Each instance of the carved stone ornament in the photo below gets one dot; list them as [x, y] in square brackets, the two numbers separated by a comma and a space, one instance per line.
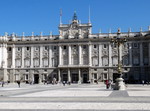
[27, 54]
[36, 54]
[136, 52]
[45, 54]
[95, 53]
[115, 53]
[84, 52]
[125, 52]
[18, 55]
[74, 51]
[104, 52]
[64, 52]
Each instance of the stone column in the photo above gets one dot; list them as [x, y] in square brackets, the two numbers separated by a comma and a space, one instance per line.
[4, 55]
[130, 54]
[141, 54]
[80, 54]
[50, 56]
[149, 53]
[90, 76]
[59, 76]
[60, 55]
[69, 54]
[32, 51]
[13, 56]
[100, 55]
[41, 55]
[40, 78]
[90, 54]
[110, 55]
[22, 59]
[80, 81]
[69, 77]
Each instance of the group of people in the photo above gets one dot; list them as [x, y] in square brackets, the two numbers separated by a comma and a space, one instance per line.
[147, 82]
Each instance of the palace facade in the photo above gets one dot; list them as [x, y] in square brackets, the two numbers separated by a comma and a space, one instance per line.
[76, 55]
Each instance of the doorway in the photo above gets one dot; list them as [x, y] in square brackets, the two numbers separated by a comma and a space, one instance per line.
[85, 78]
[115, 76]
[65, 77]
[75, 78]
[36, 78]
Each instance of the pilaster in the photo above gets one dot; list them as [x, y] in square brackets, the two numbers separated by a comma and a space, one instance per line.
[80, 80]
[100, 55]
[32, 51]
[50, 56]
[69, 54]
[141, 54]
[59, 76]
[41, 50]
[130, 54]
[69, 78]
[110, 55]
[22, 59]
[90, 55]
[13, 56]
[60, 55]
[80, 54]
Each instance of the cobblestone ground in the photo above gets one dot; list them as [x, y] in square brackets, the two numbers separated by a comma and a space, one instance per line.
[85, 97]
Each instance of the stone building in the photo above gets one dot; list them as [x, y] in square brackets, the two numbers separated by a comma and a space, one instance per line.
[76, 55]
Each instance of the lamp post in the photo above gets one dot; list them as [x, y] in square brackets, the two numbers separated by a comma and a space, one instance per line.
[118, 41]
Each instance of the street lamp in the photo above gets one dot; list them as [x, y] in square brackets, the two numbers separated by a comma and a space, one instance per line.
[118, 41]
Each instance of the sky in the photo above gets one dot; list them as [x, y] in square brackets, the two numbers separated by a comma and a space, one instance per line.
[44, 15]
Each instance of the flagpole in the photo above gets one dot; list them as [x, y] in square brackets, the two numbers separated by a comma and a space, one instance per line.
[60, 16]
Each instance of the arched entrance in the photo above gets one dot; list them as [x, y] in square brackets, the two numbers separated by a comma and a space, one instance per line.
[75, 78]
[36, 78]
[65, 77]
[85, 78]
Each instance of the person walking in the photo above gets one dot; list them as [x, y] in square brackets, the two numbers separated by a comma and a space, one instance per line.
[63, 83]
[18, 83]
[143, 82]
[2, 83]
[107, 84]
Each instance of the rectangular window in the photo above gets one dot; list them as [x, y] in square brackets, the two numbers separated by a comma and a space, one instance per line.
[65, 47]
[28, 48]
[95, 76]
[36, 48]
[36, 62]
[105, 61]
[26, 77]
[105, 76]
[18, 62]
[54, 47]
[16, 77]
[46, 47]
[135, 45]
[136, 61]
[19, 48]
[45, 62]
[84, 46]
[145, 45]
[94, 46]
[9, 49]
[27, 62]
[105, 46]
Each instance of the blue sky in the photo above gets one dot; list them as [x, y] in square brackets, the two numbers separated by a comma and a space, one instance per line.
[43, 15]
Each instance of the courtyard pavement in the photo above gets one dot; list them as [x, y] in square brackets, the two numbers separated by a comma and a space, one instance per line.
[81, 97]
